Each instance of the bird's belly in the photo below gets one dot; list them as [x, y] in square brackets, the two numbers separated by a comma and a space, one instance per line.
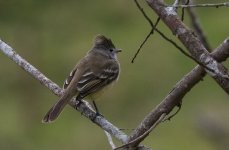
[95, 96]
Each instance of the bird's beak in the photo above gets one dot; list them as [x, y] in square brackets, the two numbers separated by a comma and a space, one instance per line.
[118, 50]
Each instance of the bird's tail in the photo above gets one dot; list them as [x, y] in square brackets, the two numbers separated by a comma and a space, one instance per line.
[55, 111]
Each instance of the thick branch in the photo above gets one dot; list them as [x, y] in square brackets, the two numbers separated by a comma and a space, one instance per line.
[178, 92]
[191, 42]
[83, 108]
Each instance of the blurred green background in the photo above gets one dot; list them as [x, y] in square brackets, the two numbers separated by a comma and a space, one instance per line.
[54, 35]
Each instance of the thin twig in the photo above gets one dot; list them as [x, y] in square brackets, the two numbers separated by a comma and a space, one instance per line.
[149, 34]
[226, 4]
[174, 114]
[144, 41]
[182, 11]
[158, 20]
[176, 2]
[140, 138]
[109, 138]
[144, 14]
[140, 47]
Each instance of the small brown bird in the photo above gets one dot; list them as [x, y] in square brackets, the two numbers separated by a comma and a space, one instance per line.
[98, 69]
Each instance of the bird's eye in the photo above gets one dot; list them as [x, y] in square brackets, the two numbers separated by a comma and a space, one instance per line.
[111, 50]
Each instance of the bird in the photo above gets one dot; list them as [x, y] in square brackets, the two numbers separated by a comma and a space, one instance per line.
[90, 77]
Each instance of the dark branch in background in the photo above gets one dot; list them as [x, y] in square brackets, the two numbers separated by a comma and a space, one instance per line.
[140, 47]
[153, 27]
[197, 27]
[174, 114]
[144, 41]
[217, 5]
[191, 42]
[158, 31]
[171, 41]
[176, 95]
[144, 14]
[182, 10]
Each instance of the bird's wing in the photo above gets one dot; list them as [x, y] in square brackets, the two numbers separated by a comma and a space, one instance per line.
[69, 78]
[92, 82]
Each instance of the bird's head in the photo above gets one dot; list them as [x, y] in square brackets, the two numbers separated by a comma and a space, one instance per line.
[105, 45]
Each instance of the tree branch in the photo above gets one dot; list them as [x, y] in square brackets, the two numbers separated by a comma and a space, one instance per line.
[176, 95]
[197, 27]
[109, 138]
[153, 27]
[135, 142]
[176, 2]
[191, 42]
[182, 11]
[217, 5]
[83, 108]
[166, 38]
